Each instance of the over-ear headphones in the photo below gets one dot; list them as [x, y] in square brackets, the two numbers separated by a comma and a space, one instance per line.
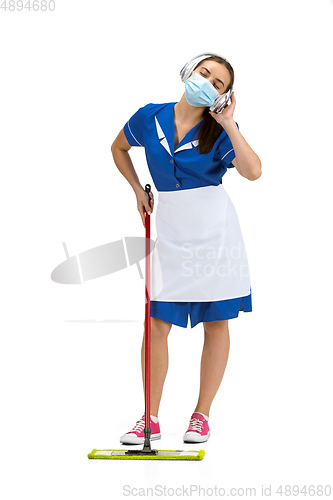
[221, 101]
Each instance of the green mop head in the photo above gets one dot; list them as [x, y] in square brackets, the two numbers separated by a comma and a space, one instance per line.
[154, 455]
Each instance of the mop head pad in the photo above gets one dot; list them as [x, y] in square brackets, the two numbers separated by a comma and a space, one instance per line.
[160, 455]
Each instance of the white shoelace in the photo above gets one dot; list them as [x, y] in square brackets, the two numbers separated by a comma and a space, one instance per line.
[139, 425]
[195, 425]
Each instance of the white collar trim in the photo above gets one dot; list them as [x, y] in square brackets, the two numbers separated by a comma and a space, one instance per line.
[164, 142]
[161, 136]
[188, 145]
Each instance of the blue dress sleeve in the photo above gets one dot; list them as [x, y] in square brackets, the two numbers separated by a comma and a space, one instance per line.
[135, 128]
[225, 150]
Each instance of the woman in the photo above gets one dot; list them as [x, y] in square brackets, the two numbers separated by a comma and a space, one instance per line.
[199, 264]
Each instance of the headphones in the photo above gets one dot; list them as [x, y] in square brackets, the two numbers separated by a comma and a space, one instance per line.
[221, 101]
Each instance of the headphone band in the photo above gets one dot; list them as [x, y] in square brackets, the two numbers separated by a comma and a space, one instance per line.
[190, 65]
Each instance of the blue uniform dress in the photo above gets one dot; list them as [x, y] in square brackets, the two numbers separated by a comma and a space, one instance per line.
[183, 168]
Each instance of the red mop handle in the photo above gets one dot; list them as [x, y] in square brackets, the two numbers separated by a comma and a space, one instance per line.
[147, 316]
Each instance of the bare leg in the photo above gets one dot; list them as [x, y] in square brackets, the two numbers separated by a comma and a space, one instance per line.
[213, 362]
[159, 361]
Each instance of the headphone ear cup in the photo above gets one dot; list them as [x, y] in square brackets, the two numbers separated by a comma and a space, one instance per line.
[183, 72]
[188, 68]
[186, 71]
[220, 102]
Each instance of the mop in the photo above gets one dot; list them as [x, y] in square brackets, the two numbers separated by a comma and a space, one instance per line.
[147, 453]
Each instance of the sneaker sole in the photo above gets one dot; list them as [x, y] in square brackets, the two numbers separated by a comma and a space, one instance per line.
[188, 438]
[134, 440]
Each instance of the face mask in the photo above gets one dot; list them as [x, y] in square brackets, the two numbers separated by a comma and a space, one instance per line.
[199, 91]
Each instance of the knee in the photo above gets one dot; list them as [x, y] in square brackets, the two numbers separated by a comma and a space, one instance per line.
[159, 327]
[216, 327]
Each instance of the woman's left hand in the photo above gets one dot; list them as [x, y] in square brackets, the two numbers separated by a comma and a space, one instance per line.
[227, 112]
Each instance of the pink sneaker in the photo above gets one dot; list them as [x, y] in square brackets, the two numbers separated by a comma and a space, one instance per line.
[136, 435]
[198, 430]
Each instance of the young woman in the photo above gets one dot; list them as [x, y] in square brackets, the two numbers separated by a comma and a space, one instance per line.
[199, 263]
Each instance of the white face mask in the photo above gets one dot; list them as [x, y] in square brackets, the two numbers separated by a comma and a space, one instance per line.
[199, 91]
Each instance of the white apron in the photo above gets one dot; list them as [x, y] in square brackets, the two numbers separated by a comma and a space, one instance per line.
[199, 253]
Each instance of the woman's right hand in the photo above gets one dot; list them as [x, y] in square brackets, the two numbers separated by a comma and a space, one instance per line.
[143, 203]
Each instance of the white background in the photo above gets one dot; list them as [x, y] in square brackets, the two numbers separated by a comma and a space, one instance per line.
[70, 354]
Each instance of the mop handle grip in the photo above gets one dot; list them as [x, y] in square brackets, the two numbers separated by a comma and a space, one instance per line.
[148, 189]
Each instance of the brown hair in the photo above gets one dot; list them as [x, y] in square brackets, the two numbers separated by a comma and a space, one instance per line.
[209, 129]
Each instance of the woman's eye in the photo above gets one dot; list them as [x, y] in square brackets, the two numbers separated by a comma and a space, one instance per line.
[203, 74]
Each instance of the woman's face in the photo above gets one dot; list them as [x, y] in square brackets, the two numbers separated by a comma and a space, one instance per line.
[216, 73]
